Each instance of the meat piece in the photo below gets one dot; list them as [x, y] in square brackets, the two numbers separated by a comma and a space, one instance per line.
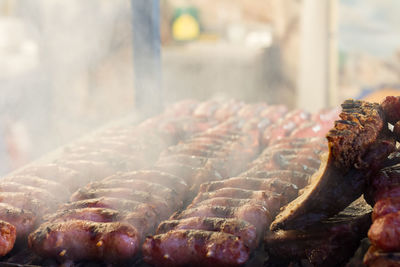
[385, 232]
[240, 228]
[75, 240]
[355, 153]
[192, 151]
[193, 176]
[281, 164]
[317, 143]
[391, 109]
[284, 128]
[159, 204]
[55, 188]
[375, 257]
[89, 170]
[117, 160]
[226, 202]
[23, 220]
[214, 164]
[165, 179]
[143, 220]
[7, 237]
[33, 192]
[206, 109]
[227, 110]
[383, 184]
[300, 179]
[288, 190]
[25, 201]
[327, 243]
[87, 214]
[255, 214]
[107, 202]
[288, 154]
[310, 129]
[385, 206]
[195, 248]
[270, 199]
[273, 112]
[167, 194]
[65, 176]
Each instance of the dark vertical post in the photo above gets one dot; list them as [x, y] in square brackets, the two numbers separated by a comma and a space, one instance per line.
[147, 56]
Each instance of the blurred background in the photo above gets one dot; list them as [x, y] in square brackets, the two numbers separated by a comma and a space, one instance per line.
[67, 67]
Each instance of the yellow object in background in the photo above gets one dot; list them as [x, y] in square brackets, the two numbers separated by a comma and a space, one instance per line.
[185, 26]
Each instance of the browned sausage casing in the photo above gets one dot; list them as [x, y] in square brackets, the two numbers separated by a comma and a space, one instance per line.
[8, 235]
[75, 239]
[195, 247]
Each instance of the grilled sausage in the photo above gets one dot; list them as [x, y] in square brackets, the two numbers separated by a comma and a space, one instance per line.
[165, 179]
[226, 202]
[271, 200]
[119, 204]
[7, 237]
[57, 189]
[75, 239]
[33, 192]
[385, 232]
[385, 206]
[195, 248]
[23, 220]
[240, 228]
[287, 189]
[300, 179]
[255, 214]
[157, 202]
[88, 214]
[25, 201]
[63, 175]
[169, 195]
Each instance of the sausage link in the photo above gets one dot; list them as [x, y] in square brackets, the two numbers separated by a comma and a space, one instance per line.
[111, 242]
[195, 248]
[240, 228]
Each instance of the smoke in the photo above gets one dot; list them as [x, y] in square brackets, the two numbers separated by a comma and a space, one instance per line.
[69, 68]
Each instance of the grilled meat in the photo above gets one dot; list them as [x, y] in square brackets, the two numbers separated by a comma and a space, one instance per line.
[196, 248]
[168, 180]
[254, 213]
[7, 237]
[63, 175]
[385, 206]
[25, 201]
[119, 204]
[355, 153]
[376, 257]
[299, 179]
[240, 228]
[272, 200]
[23, 220]
[327, 243]
[57, 189]
[161, 205]
[284, 127]
[155, 189]
[75, 239]
[88, 214]
[286, 189]
[34, 192]
[385, 231]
